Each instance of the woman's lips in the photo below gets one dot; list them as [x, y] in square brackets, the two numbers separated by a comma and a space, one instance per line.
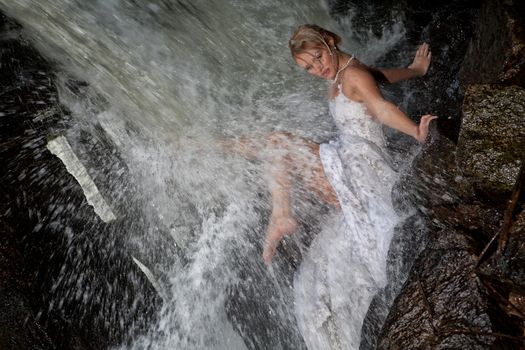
[326, 73]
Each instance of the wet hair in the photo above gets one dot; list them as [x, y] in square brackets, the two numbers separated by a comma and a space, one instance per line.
[311, 36]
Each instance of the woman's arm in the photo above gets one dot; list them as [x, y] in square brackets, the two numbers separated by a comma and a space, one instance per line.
[417, 68]
[359, 85]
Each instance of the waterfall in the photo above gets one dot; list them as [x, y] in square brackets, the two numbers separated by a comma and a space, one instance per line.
[166, 82]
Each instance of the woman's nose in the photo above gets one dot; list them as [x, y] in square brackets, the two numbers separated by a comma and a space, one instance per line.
[318, 65]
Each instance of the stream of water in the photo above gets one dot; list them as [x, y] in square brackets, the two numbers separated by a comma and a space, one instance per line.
[167, 82]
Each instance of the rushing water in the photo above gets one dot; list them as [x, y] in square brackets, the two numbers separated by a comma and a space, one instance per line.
[167, 82]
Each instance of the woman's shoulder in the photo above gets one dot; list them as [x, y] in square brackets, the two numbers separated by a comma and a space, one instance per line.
[355, 80]
[356, 73]
[350, 81]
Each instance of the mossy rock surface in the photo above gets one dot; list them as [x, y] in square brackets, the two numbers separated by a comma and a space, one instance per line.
[491, 145]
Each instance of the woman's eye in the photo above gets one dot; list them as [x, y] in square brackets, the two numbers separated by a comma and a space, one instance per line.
[318, 55]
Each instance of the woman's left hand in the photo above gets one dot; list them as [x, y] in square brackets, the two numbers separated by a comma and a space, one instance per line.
[422, 130]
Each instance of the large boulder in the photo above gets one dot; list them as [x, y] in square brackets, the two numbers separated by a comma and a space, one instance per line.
[496, 53]
[443, 304]
[491, 145]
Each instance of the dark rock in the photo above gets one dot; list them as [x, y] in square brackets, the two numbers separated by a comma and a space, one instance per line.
[443, 304]
[18, 328]
[492, 140]
[434, 180]
[503, 274]
[509, 267]
[408, 241]
[62, 270]
[447, 26]
[496, 53]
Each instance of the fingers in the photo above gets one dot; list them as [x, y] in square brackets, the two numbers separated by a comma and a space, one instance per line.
[421, 60]
[428, 118]
[423, 127]
[420, 49]
[423, 50]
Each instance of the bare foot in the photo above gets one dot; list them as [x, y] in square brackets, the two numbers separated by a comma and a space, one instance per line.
[278, 228]
[421, 60]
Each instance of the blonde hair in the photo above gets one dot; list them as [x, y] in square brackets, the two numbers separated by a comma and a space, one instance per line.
[311, 36]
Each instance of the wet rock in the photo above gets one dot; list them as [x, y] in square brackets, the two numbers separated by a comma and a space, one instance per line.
[442, 259]
[18, 328]
[408, 241]
[446, 301]
[434, 180]
[509, 267]
[492, 139]
[446, 25]
[496, 53]
[503, 275]
[65, 278]
[443, 304]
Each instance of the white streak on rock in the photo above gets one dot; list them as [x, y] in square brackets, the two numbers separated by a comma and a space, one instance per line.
[150, 277]
[61, 148]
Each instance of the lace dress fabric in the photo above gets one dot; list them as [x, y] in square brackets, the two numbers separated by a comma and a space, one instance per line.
[346, 263]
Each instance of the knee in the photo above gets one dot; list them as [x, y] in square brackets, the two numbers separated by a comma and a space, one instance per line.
[279, 137]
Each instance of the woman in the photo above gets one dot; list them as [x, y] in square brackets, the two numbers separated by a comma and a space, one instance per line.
[346, 263]
[358, 108]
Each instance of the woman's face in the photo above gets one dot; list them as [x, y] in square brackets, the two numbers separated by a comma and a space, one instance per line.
[317, 62]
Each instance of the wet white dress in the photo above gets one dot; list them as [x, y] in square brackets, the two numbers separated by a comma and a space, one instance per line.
[346, 263]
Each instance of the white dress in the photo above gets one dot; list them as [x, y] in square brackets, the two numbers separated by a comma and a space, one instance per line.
[346, 263]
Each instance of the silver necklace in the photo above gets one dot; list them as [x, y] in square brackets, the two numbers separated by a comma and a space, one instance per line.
[341, 69]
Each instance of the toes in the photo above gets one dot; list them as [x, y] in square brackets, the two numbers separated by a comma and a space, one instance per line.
[268, 254]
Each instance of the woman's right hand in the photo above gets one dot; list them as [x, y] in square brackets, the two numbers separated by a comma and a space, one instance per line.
[422, 130]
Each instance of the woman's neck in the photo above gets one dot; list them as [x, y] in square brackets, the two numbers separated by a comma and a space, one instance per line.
[342, 58]
[343, 61]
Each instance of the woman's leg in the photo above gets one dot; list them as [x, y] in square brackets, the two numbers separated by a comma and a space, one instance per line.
[287, 159]
[291, 159]
[282, 221]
